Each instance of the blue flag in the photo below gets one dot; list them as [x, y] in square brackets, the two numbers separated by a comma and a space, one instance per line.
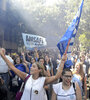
[70, 35]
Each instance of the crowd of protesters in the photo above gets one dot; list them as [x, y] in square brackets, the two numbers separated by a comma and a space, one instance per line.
[48, 80]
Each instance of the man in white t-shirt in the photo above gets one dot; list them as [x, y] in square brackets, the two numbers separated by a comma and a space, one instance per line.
[4, 68]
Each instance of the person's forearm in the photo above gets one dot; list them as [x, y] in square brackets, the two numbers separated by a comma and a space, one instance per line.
[59, 72]
[46, 73]
[52, 71]
[27, 69]
[24, 60]
[54, 96]
[85, 93]
[36, 54]
[85, 87]
[78, 92]
[60, 69]
[23, 57]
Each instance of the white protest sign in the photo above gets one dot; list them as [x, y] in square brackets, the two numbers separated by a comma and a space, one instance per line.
[31, 41]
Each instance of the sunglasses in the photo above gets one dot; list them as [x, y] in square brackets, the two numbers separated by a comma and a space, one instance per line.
[68, 76]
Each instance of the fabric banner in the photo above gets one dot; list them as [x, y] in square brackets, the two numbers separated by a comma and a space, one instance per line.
[31, 41]
[70, 36]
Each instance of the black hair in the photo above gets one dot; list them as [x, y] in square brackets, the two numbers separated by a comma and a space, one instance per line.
[16, 58]
[49, 62]
[66, 69]
[44, 61]
[41, 58]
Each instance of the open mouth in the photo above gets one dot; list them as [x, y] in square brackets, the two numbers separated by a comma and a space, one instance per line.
[67, 81]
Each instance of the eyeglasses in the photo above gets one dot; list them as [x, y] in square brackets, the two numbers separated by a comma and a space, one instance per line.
[68, 76]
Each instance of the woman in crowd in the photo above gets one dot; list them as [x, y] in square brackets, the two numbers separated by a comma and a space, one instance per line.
[80, 78]
[19, 64]
[15, 80]
[28, 63]
[49, 65]
[66, 90]
[34, 87]
[41, 60]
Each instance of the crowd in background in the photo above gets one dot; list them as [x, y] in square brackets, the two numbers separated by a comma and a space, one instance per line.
[50, 59]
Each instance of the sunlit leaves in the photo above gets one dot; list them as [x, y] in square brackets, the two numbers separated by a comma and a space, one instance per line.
[52, 19]
[84, 40]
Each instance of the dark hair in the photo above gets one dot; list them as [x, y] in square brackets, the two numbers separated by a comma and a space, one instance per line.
[49, 62]
[16, 58]
[41, 58]
[44, 65]
[66, 69]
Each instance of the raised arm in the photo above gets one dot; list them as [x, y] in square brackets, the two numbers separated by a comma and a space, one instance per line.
[59, 71]
[36, 53]
[24, 60]
[54, 96]
[85, 88]
[22, 75]
[78, 92]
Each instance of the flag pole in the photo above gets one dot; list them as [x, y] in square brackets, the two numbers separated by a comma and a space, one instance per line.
[67, 46]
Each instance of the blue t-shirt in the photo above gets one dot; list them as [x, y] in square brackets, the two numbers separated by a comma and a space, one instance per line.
[30, 67]
[21, 67]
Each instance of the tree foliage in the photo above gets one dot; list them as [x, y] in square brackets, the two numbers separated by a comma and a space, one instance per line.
[50, 21]
[84, 40]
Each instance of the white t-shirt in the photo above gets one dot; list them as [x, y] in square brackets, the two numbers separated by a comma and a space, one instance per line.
[34, 89]
[3, 65]
[64, 94]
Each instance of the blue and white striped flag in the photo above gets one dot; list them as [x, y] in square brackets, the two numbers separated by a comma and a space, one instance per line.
[70, 36]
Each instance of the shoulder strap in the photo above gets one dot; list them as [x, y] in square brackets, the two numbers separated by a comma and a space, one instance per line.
[74, 87]
[26, 78]
[23, 84]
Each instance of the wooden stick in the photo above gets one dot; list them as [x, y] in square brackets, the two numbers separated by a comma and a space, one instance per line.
[67, 46]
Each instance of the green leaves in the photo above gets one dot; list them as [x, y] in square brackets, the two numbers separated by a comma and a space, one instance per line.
[84, 40]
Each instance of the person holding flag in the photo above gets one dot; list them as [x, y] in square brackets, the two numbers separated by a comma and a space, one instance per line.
[63, 91]
[69, 36]
[66, 90]
[34, 87]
